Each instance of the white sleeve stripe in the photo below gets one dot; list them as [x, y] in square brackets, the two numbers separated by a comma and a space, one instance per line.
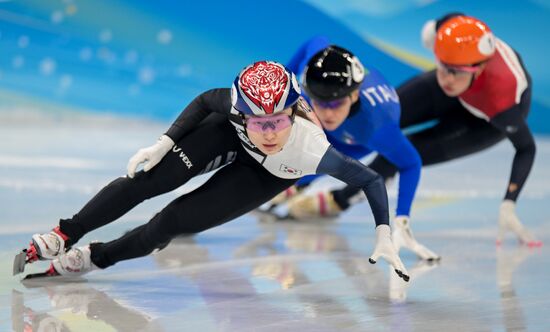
[513, 63]
[238, 126]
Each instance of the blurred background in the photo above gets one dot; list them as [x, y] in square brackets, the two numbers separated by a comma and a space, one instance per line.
[148, 59]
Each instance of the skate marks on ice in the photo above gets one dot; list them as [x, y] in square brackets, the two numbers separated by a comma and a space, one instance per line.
[75, 307]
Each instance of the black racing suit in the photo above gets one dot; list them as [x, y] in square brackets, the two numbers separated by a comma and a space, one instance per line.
[205, 140]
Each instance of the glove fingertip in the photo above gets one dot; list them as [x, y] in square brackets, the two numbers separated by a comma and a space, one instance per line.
[130, 171]
[402, 275]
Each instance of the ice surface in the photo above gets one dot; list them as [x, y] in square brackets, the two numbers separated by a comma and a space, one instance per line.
[253, 276]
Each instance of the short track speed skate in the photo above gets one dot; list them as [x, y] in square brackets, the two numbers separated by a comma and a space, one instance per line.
[42, 247]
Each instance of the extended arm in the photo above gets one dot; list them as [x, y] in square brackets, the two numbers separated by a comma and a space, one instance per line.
[216, 100]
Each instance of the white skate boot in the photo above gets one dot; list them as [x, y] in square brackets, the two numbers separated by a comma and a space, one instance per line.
[74, 263]
[46, 246]
[403, 237]
[42, 246]
[509, 221]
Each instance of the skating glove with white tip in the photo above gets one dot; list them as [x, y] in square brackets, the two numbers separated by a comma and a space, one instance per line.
[403, 237]
[509, 221]
[150, 155]
[384, 248]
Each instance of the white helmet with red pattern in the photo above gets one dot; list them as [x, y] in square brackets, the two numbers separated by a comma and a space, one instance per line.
[264, 87]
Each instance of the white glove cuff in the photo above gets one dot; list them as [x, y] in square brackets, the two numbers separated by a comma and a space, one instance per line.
[508, 205]
[383, 231]
[401, 221]
[165, 143]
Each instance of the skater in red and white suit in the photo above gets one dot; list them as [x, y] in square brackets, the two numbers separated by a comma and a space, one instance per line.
[479, 93]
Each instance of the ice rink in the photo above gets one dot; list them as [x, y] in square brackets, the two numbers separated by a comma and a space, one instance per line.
[251, 275]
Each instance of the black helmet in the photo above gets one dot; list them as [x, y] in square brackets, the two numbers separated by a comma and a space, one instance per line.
[332, 73]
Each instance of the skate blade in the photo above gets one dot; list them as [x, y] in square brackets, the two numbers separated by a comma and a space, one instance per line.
[39, 276]
[19, 262]
[43, 278]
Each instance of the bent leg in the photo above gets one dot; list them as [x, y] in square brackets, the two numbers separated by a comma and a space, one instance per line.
[233, 191]
[452, 138]
[205, 148]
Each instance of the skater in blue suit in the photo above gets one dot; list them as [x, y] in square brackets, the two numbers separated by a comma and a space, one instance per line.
[359, 111]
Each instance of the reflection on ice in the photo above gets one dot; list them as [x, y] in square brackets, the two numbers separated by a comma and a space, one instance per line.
[73, 307]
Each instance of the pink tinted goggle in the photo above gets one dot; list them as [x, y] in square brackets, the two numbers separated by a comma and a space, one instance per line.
[262, 124]
[452, 69]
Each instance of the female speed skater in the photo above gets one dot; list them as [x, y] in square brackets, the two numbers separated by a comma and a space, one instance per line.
[259, 129]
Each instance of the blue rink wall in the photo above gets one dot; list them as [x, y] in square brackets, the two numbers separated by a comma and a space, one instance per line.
[150, 58]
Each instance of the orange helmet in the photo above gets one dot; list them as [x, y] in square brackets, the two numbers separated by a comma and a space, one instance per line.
[464, 41]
